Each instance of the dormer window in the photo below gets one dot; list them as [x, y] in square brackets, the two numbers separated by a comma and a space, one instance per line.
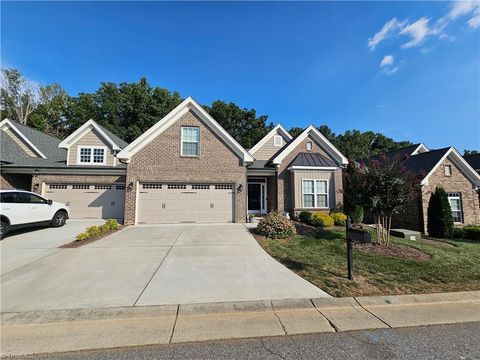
[277, 140]
[309, 146]
[190, 145]
[92, 155]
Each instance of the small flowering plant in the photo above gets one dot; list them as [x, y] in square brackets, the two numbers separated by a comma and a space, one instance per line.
[276, 226]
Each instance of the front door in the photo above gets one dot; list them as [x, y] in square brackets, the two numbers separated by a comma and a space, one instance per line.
[256, 198]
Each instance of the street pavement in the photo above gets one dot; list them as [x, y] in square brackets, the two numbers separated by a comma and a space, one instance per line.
[455, 341]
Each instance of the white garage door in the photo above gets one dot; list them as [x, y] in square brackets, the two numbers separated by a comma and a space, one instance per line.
[175, 203]
[98, 201]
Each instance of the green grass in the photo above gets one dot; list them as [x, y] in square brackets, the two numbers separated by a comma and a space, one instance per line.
[321, 259]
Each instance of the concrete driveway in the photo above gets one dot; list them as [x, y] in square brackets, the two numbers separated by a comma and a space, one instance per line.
[154, 265]
[22, 247]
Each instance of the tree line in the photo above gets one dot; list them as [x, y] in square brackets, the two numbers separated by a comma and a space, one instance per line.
[129, 108]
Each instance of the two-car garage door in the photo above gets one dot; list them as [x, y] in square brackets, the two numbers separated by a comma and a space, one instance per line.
[102, 201]
[177, 202]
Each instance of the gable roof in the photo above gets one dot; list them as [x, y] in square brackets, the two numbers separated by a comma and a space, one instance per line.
[15, 128]
[189, 104]
[316, 135]
[115, 142]
[425, 163]
[306, 159]
[473, 160]
[277, 129]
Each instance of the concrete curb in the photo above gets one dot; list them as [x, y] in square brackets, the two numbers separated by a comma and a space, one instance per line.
[70, 330]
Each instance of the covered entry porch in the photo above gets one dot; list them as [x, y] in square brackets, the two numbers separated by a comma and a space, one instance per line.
[261, 194]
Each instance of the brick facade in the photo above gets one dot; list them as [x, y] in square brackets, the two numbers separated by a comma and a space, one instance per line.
[455, 183]
[284, 179]
[43, 179]
[160, 160]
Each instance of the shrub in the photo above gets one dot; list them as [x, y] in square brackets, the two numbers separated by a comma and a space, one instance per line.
[339, 219]
[275, 226]
[471, 232]
[458, 233]
[440, 220]
[321, 219]
[93, 231]
[111, 224]
[357, 214]
[82, 236]
[305, 216]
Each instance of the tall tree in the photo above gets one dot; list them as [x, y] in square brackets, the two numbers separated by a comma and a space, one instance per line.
[469, 152]
[50, 114]
[17, 96]
[295, 131]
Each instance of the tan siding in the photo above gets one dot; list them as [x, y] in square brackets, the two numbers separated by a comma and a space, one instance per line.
[284, 187]
[20, 142]
[92, 138]
[268, 149]
[298, 176]
[160, 161]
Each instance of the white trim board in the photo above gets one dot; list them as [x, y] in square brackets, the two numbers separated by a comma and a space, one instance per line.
[189, 104]
[7, 124]
[316, 135]
[420, 149]
[277, 129]
[82, 131]
[92, 148]
[461, 163]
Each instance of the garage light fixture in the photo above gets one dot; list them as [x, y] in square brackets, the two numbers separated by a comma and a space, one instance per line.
[239, 188]
[130, 186]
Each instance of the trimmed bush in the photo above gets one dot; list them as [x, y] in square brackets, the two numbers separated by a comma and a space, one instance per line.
[471, 232]
[305, 216]
[276, 226]
[440, 220]
[357, 214]
[339, 219]
[95, 230]
[321, 219]
[458, 233]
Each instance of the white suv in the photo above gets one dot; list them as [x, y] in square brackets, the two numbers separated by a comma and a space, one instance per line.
[19, 209]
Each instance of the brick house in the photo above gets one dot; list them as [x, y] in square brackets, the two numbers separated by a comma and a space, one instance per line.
[444, 168]
[185, 168]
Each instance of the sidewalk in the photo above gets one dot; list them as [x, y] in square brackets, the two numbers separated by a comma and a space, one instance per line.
[70, 330]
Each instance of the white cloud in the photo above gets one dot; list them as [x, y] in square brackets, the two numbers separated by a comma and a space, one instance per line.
[417, 31]
[461, 8]
[387, 60]
[388, 28]
[390, 70]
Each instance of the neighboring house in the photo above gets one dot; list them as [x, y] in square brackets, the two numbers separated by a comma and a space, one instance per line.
[445, 168]
[185, 168]
[81, 171]
[474, 161]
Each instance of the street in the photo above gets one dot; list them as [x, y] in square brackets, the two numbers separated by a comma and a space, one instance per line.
[456, 341]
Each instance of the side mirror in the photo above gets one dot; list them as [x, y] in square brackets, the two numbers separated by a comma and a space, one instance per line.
[49, 202]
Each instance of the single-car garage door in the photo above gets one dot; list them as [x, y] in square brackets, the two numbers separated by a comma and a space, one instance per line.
[102, 201]
[175, 203]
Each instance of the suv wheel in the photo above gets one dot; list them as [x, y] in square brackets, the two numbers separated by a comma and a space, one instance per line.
[59, 219]
[4, 227]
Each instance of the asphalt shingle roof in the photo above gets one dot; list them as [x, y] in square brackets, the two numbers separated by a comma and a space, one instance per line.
[312, 159]
[120, 142]
[474, 161]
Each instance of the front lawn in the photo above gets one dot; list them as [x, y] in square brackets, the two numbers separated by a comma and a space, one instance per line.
[320, 257]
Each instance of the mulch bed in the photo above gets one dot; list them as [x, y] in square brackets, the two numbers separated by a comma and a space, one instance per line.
[75, 243]
[304, 229]
[393, 250]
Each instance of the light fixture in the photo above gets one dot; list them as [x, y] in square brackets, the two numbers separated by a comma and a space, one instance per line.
[130, 186]
[239, 188]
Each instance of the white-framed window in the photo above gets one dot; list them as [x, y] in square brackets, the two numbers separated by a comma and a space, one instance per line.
[314, 194]
[448, 170]
[455, 200]
[190, 145]
[92, 155]
[309, 146]
[277, 140]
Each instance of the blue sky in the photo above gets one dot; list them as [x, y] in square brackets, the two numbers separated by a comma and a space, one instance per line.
[410, 70]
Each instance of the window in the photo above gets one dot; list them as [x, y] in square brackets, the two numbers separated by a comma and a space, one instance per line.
[32, 199]
[277, 140]
[176, 186]
[57, 186]
[455, 200]
[10, 197]
[103, 187]
[448, 170]
[315, 193]
[200, 187]
[92, 155]
[309, 146]
[80, 187]
[190, 141]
